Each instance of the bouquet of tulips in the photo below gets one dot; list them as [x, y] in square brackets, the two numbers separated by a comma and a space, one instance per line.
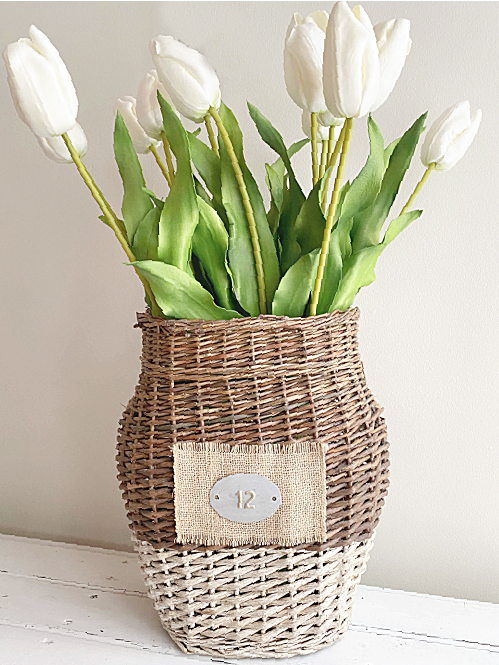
[210, 250]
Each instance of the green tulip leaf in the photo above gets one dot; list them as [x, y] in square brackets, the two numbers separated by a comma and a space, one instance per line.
[201, 191]
[294, 289]
[399, 224]
[119, 222]
[136, 203]
[279, 185]
[297, 146]
[354, 198]
[278, 165]
[358, 268]
[157, 202]
[358, 271]
[241, 257]
[276, 186]
[368, 224]
[311, 222]
[294, 198]
[207, 164]
[290, 247]
[210, 244]
[339, 250]
[145, 241]
[199, 274]
[389, 151]
[270, 135]
[180, 214]
[365, 187]
[179, 295]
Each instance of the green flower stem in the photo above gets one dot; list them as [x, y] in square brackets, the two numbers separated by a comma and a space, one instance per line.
[247, 207]
[332, 161]
[331, 143]
[315, 166]
[161, 165]
[418, 188]
[211, 135]
[330, 217]
[324, 152]
[168, 155]
[110, 216]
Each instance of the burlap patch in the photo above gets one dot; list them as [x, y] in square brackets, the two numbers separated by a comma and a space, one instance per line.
[297, 469]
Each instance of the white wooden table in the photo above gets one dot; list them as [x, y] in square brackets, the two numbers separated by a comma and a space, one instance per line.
[69, 605]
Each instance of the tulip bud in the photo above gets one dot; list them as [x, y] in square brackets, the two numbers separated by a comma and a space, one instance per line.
[351, 62]
[394, 45]
[322, 130]
[450, 136]
[141, 141]
[56, 148]
[303, 53]
[148, 109]
[40, 85]
[187, 76]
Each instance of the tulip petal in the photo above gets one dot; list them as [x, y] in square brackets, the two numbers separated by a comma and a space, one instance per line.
[295, 20]
[187, 76]
[346, 41]
[43, 45]
[35, 88]
[294, 80]
[370, 64]
[460, 144]
[393, 44]
[147, 106]
[141, 141]
[327, 119]
[320, 18]
[304, 84]
[443, 131]
[185, 91]
[306, 122]
[56, 149]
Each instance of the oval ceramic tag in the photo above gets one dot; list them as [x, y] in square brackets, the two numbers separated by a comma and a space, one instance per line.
[245, 497]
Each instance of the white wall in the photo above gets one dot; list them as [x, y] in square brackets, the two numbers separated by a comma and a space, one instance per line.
[69, 353]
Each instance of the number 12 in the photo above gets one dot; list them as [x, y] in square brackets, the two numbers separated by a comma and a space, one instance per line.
[248, 502]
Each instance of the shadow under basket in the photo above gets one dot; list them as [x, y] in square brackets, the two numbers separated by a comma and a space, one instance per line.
[253, 382]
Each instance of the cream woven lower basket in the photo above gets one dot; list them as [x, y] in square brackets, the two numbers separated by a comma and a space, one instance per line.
[251, 383]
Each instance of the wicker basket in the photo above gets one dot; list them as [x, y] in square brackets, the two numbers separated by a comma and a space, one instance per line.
[254, 381]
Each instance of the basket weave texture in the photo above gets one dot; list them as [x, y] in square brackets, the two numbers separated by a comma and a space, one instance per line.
[254, 381]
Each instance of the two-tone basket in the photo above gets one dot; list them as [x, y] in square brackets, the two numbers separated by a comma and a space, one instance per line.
[272, 399]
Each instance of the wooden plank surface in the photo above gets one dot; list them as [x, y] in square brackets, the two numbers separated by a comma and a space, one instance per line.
[62, 604]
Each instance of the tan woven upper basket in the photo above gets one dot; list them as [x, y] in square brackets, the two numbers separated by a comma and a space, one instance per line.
[254, 381]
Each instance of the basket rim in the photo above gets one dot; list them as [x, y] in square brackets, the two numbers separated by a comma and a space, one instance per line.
[267, 320]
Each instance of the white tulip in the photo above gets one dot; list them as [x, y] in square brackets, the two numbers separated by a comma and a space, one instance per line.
[55, 147]
[394, 45]
[40, 85]
[320, 18]
[141, 141]
[303, 53]
[187, 76]
[148, 108]
[351, 62]
[327, 119]
[322, 130]
[450, 136]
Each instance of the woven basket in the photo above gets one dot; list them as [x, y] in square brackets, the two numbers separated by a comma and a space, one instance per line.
[254, 381]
